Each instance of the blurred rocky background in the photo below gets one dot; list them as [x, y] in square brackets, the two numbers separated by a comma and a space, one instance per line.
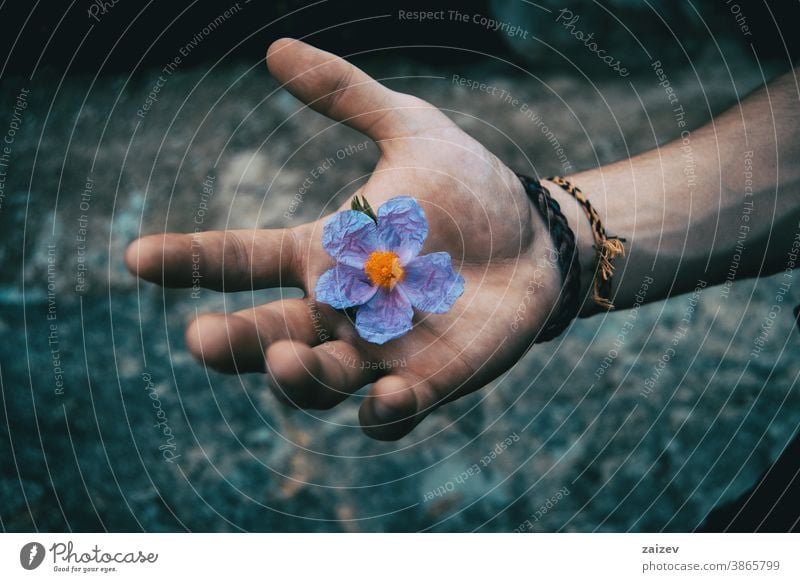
[128, 119]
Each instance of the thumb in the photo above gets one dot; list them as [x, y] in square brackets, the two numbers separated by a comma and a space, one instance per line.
[345, 93]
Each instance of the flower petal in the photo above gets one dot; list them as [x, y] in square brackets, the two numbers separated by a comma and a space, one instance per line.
[349, 237]
[343, 287]
[402, 227]
[431, 284]
[387, 316]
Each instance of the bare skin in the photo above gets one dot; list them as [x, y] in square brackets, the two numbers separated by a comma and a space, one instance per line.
[746, 188]
[478, 212]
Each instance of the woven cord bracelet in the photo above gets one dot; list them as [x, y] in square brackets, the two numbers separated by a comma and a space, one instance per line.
[568, 263]
[606, 248]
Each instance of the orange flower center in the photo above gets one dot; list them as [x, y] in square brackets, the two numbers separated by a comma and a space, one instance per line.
[383, 269]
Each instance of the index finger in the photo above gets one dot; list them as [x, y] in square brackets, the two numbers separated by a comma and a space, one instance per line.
[223, 260]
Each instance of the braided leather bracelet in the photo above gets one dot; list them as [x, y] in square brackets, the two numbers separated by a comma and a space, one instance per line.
[568, 263]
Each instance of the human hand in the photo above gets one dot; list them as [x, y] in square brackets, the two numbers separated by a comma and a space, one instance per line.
[477, 211]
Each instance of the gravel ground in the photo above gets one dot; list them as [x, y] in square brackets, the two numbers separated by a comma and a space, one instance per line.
[553, 441]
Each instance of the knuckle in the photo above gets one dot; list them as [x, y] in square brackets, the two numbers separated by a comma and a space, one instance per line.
[342, 87]
[235, 270]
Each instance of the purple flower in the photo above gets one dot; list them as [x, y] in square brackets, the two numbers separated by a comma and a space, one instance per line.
[378, 269]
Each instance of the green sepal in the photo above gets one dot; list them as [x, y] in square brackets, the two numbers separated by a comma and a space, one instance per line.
[363, 206]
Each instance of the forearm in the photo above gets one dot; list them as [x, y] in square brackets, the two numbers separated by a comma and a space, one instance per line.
[718, 204]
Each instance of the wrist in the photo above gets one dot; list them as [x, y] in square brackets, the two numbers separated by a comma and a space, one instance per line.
[584, 242]
[554, 252]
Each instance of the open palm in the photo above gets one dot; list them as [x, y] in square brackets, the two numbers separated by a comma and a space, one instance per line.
[477, 211]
